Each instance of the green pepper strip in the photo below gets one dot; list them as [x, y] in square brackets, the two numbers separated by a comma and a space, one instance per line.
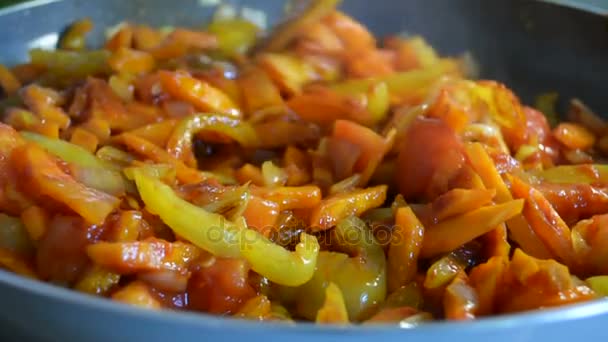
[221, 237]
[72, 63]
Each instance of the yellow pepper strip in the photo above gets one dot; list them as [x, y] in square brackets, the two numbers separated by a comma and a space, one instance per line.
[338, 207]
[442, 272]
[217, 235]
[599, 285]
[74, 37]
[405, 245]
[289, 72]
[278, 264]
[201, 95]
[520, 229]
[448, 235]
[129, 61]
[234, 36]
[157, 133]
[333, 310]
[405, 83]
[209, 231]
[8, 82]
[283, 34]
[98, 281]
[137, 294]
[362, 277]
[257, 308]
[574, 174]
[377, 97]
[179, 144]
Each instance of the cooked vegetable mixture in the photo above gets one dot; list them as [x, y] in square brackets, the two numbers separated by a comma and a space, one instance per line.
[313, 173]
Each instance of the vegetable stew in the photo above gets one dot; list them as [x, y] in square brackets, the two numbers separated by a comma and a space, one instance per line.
[312, 173]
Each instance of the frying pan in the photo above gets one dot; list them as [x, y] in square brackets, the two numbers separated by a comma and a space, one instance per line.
[533, 46]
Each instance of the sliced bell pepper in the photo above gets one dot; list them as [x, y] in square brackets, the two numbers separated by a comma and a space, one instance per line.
[179, 144]
[8, 82]
[125, 60]
[234, 36]
[79, 64]
[361, 278]
[74, 36]
[333, 310]
[43, 177]
[215, 234]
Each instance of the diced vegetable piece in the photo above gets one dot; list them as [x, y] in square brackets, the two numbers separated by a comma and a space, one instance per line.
[599, 285]
[574, 136]
[460, 300]
[98, 281]
[333, 310]
[125, 60]
[257, 308]
[148, 255]
[137, 294]
[13, 236]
